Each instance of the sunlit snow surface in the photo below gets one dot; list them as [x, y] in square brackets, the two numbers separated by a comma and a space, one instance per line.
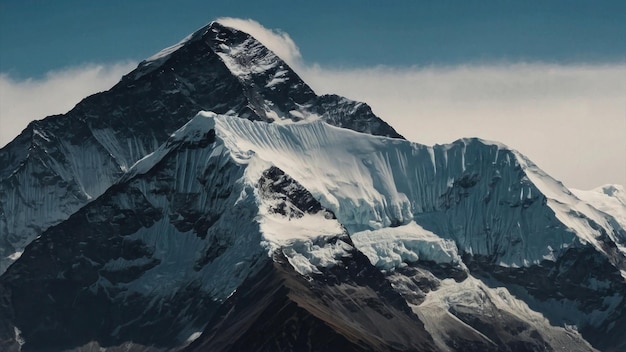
[488, 199]
[400, 202]
[245, 216]
[472, 295]
[388, 248]
[610, 199]
[297, 238]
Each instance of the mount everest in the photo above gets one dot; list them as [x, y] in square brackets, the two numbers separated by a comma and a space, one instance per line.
[212, 201]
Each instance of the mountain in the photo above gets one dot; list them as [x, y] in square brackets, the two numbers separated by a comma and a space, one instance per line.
[279, 220]
[610, 199]
[59, 164]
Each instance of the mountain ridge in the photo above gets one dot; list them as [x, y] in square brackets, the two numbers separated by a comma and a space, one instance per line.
[160, 240]
[74, 157]
[233, 142]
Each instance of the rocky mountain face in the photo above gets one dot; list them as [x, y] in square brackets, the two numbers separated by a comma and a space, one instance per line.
[59, 164]
[286, 221]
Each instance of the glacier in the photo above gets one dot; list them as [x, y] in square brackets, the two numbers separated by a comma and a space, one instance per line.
[355, 176]
[373, 182]
[610, 199]
[59, 164]
[137, 222]
[290, 230]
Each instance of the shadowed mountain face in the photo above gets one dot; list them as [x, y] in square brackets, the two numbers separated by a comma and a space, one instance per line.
[352, 308]
[140, 264]
[62, 162]
[286, 221]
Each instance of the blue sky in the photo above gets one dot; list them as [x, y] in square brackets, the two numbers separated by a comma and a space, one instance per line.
[38, 36]
[545, 77]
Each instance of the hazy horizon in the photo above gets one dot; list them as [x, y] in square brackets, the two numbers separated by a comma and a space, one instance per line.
[560, 100]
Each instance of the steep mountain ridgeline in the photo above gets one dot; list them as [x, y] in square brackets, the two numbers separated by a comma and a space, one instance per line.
[59, 164]
[513, 225]
[125, 231]
[179, 241]
[474, 192]
[152, 260]
[137, 264]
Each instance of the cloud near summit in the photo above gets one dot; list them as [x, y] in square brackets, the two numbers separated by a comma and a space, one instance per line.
[276, 40]
[568, 118]
[25, 100]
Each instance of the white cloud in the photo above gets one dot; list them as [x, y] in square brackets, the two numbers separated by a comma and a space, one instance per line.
[274, 39]
[22, 101]
[569, 119]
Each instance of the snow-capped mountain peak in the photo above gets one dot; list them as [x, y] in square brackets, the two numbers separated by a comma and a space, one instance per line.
[59, 164]
[276, 219]
[392, 183]
[610, 199]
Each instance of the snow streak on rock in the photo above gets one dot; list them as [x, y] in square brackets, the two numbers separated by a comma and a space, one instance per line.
[59, 164]
[126, 230]
[483, 196]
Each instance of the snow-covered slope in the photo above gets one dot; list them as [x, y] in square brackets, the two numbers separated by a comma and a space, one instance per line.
[132, 225]
[372, 183]
[407, 203]
[610, 199]
[487, 198]
[200, 218]
[57, 165]
[156, 239]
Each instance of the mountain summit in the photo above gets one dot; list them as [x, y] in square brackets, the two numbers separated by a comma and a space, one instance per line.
[212, 201]
[57, 165]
